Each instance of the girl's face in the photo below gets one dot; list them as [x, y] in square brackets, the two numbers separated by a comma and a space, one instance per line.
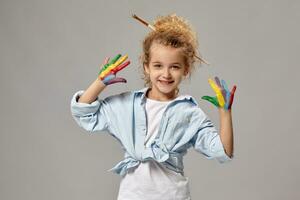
[166, 69]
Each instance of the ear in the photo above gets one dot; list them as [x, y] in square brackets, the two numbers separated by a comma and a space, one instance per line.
[146, 68]
[186, 71]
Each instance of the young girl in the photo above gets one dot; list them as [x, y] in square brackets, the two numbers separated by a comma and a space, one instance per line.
[156, 125]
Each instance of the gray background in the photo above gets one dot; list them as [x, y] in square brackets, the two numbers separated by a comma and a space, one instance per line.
[51, 49]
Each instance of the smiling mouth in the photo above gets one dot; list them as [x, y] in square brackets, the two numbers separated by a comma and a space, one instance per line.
[166, 82]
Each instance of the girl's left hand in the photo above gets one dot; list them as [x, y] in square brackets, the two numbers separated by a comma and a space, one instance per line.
[224, 98]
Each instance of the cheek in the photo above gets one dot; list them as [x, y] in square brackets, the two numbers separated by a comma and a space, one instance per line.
[179, 75]
[154, 72]
[153, 75]
[179, 78]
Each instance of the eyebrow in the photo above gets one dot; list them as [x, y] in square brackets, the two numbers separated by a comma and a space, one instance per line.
[171, 63]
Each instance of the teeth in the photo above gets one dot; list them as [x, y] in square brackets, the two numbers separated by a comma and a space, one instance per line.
[166, 82]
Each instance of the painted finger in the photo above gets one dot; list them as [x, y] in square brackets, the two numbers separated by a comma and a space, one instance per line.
[111, 62]
[117, 80]
[225, 85]
[213, 85]
[121, 60]
[218, 92]
[218, 82]
[227, 93]
[212, 100]
[120, 67]
[104, 65]
[106, 79]
[221, 87]
[227, 100]
[114, 60]
[111, 67]
[231, 96]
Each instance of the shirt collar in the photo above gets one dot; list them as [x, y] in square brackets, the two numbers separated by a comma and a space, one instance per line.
[182, 97]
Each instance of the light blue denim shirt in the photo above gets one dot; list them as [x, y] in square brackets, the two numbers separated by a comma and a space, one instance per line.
[123, 116]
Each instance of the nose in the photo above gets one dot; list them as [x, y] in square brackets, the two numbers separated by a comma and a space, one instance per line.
[166, 73]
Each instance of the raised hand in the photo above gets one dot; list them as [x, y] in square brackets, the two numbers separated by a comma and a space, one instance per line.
[108, 72]
[224, 98]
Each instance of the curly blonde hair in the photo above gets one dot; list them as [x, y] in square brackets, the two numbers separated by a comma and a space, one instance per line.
[174, 31]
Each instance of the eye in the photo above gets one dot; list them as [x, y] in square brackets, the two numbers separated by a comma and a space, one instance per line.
[157, 65]
[176, 67]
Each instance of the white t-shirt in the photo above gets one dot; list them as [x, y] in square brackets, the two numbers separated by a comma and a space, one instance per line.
[151, 180]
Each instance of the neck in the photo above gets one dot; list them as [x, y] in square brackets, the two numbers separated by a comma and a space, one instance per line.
[166, 97]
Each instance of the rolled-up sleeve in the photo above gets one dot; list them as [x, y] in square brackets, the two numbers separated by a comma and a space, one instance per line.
[207, 141]
[92, 117]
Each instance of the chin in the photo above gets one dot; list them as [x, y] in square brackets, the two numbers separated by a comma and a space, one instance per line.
[167, 90]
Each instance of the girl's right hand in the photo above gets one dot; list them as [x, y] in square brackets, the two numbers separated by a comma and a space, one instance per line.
[109, 70]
